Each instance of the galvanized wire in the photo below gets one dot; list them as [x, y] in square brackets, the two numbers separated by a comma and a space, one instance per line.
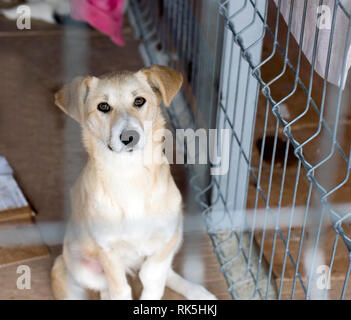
[189, 34]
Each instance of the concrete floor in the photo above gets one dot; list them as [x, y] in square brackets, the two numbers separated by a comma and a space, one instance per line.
[44, 146]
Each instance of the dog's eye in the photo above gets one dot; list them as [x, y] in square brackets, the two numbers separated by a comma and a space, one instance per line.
[139, 102]
[104, 107]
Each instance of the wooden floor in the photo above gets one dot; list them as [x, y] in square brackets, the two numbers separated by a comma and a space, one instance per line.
[199, 260]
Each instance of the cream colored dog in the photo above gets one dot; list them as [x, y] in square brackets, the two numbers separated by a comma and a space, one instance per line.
[126, 214]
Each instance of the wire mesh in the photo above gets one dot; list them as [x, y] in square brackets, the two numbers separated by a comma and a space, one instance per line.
[279, 218]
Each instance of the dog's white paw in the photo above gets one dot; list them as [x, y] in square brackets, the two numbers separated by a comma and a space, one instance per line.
[150, 297]
[105, 295]
[125, 295]
[200, 293]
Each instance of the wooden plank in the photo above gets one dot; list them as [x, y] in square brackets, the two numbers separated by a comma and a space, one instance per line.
[28, 245]
[15, 213]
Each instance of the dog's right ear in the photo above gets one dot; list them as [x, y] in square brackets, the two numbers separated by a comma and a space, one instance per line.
[73, 96]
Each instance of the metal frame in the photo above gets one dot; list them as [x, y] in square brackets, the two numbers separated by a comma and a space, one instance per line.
[227, 37]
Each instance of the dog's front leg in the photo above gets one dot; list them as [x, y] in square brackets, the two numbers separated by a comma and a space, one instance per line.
[155, 269]
[118, 286]
[153, 275]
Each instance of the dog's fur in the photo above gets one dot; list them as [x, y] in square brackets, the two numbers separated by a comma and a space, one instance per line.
[126, 215]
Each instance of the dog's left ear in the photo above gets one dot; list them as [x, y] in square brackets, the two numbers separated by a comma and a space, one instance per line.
[165, 80]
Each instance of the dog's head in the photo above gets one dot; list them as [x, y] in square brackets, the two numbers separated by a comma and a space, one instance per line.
[115, 108]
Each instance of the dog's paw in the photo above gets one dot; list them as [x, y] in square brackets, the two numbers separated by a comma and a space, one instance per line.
[105, 295]
[151, 295]
[200, 293]
[125, 295]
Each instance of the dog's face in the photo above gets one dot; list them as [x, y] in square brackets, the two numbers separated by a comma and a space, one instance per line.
[117, 108]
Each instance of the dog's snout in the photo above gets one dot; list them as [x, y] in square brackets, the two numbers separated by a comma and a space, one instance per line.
[127, 135]
[130, 138]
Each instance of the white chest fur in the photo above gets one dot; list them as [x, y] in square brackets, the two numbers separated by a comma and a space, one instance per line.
[121, 215]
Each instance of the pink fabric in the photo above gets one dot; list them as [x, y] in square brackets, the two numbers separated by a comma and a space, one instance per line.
[104, 15]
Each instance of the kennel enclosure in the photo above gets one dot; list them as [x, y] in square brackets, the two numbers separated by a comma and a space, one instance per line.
[267, 72]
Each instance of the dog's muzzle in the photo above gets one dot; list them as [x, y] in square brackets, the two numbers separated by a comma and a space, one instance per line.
[130, 138]
[127, 135]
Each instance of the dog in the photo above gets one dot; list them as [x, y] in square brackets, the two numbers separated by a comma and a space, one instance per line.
[126, 213]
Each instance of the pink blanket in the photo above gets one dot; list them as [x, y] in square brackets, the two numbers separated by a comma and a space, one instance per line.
[104, 15]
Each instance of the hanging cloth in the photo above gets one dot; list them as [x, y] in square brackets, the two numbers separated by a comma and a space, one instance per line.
[104, 15]
[321, 17]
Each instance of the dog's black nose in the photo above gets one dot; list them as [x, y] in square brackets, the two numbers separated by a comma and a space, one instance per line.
[129, 137]
[125, 140]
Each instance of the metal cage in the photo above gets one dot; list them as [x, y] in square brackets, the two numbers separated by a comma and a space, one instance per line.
[278, 218]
